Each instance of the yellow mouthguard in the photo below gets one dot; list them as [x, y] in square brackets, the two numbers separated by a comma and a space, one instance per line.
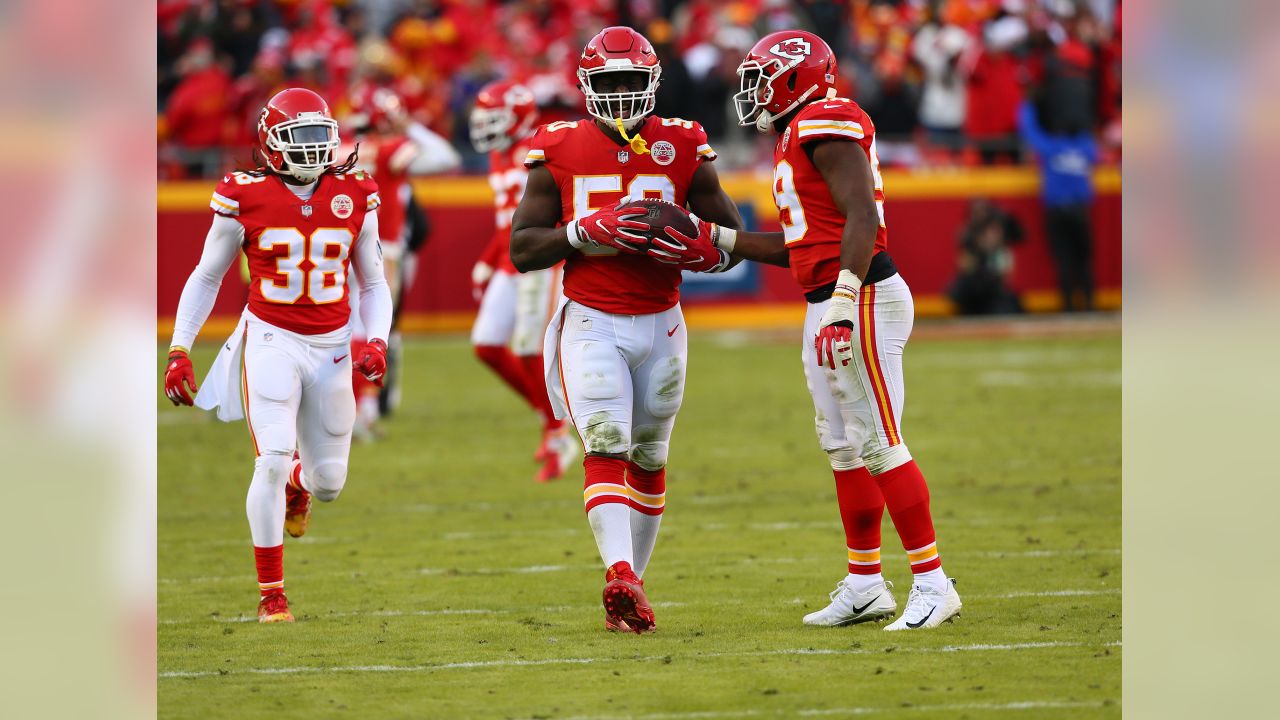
[638, 144]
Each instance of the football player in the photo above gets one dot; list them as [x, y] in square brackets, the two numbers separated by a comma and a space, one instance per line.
[515, 307]
[303, 222]
[395, 149]
[615, 349]
[830, 200]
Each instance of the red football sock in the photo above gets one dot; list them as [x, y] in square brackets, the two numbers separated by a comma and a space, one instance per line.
[605, 481]
[503, 362]
[270, 561]
[536, 381]
[907, 496]
[652, 486]
[861, 510]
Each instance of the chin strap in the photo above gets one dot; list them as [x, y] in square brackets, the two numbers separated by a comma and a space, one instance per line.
[638, 144]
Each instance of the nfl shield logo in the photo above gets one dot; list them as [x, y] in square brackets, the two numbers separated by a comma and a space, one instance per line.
[623, 156]
[306, 211]
[267, 336]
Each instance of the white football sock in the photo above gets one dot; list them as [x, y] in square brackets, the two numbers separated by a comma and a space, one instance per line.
[264, 503]
[644, 535]
[934, 580]
[611, 524]
[863, 583]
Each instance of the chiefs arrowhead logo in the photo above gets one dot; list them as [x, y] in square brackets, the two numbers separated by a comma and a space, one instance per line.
[794, 49]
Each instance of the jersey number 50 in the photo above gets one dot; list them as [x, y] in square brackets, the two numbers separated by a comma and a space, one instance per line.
[658, 187]
[326, 248]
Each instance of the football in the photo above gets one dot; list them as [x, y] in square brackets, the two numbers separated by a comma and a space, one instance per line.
[660, 214]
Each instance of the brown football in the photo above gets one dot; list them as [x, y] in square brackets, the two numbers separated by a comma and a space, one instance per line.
[660, 214]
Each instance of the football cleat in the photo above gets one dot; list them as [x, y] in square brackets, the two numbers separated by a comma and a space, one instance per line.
[274, 608]
[928, 608]
[562, 451]
[849, 607]
[625, 604]
[615, 624]
[297, 502]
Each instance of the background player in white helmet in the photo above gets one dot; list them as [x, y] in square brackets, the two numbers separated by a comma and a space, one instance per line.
[304, 224]
[515, 307]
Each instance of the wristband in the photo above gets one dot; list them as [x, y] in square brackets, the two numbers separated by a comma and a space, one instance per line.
[575, 237]
[847, 285]
[724, 238]
[178, 349]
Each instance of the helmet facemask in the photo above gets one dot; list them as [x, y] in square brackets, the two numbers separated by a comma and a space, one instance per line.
[630, 107]
[491, 128]
[756, 79]
[306, 144]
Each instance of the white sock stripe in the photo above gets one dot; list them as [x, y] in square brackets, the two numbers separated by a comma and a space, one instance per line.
[932, 545]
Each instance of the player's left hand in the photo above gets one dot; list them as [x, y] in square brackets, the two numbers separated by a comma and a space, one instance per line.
[372, 362]
[180, 378]
[698, 254]
[834, 342]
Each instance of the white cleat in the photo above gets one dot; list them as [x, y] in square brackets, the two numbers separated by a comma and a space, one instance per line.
[848, 607]
[928, 608]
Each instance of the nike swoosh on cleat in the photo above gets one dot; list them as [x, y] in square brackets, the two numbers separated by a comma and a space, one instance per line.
[673, 330]
[858, 610]
[923, 619]
[338, 359]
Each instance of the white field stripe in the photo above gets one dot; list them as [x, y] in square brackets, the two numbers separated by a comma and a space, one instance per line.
[538, 569]
[588, 608]
[847, 711]
[615, 660]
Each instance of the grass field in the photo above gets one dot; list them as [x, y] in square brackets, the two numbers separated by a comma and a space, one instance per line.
[445, 584]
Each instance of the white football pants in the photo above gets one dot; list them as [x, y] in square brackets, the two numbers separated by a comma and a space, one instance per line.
[859, 406]
[515, 310]
[623, 380]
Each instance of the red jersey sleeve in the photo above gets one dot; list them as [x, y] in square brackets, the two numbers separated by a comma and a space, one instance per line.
[226, 197]
[368, 188]
[705, 152]
[544, 141]
[834, 119]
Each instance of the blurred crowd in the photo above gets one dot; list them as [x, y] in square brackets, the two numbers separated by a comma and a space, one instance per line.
[943, 79]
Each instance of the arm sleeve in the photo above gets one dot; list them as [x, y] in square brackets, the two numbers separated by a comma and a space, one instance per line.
[375, 294]
[435, 154]
[221, 247]
[1030, 127]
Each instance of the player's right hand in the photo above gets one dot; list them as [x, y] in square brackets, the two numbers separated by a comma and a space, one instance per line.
[481, 274]
[373, 361]
[178, 377]
[616, 227]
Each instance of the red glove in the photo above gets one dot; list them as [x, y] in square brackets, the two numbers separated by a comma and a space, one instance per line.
[697, 254]
[178, 376]
[373, 361]
[612, 227]
[835, 334]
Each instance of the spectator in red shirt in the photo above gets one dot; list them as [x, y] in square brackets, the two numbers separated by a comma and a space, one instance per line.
[197, 111]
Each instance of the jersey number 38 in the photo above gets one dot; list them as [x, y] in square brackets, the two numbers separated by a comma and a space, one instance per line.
[325, 251]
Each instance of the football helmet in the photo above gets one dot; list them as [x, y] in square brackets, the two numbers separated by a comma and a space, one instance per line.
[618, 50]
[504, 112]
[297, 135]
[780, 72]
[373, 108]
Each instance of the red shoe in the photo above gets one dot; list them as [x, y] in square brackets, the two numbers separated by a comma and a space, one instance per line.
[562, 451]
[544, 448]
[274, 608]
[297, 502]
[613, 625]
[625, 603]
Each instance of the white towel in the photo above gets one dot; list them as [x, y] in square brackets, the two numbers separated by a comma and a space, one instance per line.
[221, 387]
[551, 361]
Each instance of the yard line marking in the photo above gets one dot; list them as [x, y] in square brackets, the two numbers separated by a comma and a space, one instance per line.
[537, 569]
[860, 710]
[648, 658]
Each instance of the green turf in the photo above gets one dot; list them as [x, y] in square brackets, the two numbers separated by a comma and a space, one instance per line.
[444, 583]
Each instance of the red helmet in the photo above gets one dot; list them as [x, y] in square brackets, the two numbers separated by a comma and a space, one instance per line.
[618, 50]
[372, 107]
[782, 71]
[504, 112]
[297, 135]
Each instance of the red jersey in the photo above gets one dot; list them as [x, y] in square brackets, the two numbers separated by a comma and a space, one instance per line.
[507, 177]
[594, 172]
[394, 184]
[810, 221]
[298, 250]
